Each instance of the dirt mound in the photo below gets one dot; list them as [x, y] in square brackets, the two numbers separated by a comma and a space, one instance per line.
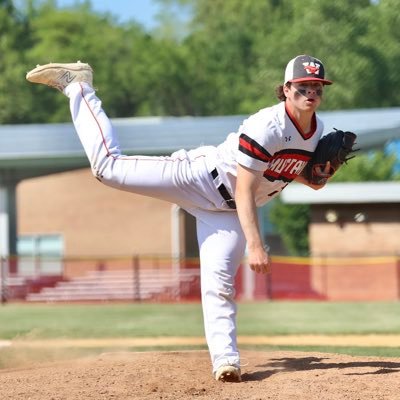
[187, 375]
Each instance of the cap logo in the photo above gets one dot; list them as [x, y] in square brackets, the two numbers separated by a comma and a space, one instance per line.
[311, 68]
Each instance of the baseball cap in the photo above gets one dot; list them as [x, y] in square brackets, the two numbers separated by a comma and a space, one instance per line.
[305, 68]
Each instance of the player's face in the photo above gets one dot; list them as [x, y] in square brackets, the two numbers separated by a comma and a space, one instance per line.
[305, 96]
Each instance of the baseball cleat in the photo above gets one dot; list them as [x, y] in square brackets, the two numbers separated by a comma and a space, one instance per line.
[228, 373]
[60, 76]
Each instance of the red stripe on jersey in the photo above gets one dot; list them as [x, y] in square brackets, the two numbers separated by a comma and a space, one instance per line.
[253, 149]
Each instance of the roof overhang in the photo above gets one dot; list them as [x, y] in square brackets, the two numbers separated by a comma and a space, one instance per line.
[43, 145]
[343, 193]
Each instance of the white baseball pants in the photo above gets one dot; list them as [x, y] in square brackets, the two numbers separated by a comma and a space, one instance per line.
[183, 178]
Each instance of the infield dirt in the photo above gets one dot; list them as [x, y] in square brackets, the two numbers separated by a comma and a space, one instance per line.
[186, 375]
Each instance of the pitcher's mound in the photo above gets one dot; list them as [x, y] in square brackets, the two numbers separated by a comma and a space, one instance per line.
[187, 375]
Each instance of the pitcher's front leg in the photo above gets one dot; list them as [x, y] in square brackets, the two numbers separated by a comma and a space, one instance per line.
[222, 247]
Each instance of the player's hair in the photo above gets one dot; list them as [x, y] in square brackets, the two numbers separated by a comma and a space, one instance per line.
[279, 91]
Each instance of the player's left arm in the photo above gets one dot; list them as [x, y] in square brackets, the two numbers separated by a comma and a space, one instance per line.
[323, 173]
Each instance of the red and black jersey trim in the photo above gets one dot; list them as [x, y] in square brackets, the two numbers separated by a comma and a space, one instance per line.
[302, 154]
[280, 178]
[251, 148]
[304, 135]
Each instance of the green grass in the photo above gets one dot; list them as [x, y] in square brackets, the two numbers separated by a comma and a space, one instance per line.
[281, 318]
[150, 319]
[100, 321]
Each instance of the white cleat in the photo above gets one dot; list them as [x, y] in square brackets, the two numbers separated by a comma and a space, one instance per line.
[228, 373]
[60, 76]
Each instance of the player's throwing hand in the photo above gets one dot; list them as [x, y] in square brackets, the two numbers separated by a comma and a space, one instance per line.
[259, 260]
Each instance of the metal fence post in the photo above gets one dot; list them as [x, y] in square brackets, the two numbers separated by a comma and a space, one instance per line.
[3, 281]
[136, 278]
[398, 276]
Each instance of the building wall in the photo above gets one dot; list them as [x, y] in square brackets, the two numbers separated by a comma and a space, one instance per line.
[378, 235]
[368, 278]
[93, 218]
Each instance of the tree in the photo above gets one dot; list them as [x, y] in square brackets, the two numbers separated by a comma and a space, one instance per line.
[227, 60]
[384, 35]
[15, 100]
[372, 166]
[291, 222]
[80, 34]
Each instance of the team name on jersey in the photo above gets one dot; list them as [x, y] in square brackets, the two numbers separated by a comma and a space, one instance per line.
[286, 165]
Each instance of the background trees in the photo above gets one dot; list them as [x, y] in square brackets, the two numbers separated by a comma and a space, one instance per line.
[227, 60]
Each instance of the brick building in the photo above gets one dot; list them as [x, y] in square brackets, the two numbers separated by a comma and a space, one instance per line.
[351, 219]
[354, 239]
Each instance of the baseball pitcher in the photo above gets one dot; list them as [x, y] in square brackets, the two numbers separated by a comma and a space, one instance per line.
[220, 186]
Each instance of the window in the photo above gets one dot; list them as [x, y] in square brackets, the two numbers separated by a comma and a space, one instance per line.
[40, 254]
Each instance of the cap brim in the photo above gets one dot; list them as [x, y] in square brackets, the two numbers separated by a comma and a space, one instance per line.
[324, 81]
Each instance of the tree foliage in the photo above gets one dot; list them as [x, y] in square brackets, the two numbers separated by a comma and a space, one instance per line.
[15, 99]
[227, 59]
[291, 222]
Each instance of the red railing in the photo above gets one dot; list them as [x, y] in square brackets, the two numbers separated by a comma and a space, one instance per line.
[156, 278]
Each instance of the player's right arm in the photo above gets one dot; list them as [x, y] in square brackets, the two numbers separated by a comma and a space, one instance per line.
[258, 141]
[246, 186]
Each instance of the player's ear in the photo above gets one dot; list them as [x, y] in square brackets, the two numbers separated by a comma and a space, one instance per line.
[286, 88]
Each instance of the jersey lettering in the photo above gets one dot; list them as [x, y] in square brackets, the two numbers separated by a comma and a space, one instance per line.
[286, 165]
[298, 167]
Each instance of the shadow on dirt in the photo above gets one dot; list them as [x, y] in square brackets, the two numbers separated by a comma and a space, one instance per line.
[277, 365]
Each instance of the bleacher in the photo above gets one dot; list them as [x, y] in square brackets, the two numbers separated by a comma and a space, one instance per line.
[17, 287]
[124, 285]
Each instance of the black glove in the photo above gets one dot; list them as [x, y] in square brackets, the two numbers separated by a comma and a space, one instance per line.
[335, 147]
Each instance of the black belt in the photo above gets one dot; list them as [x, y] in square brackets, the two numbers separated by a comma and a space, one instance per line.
[223, 191]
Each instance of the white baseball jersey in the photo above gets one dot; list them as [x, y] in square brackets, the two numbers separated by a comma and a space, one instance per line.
[269, 141]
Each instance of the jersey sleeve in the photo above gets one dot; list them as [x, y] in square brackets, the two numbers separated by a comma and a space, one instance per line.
[258, 142]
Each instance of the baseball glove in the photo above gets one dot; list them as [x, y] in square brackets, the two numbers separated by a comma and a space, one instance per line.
[335, 147]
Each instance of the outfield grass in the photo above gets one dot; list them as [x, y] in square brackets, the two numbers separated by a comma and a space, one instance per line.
[320, 318]
[150, 319]
[34, 321]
